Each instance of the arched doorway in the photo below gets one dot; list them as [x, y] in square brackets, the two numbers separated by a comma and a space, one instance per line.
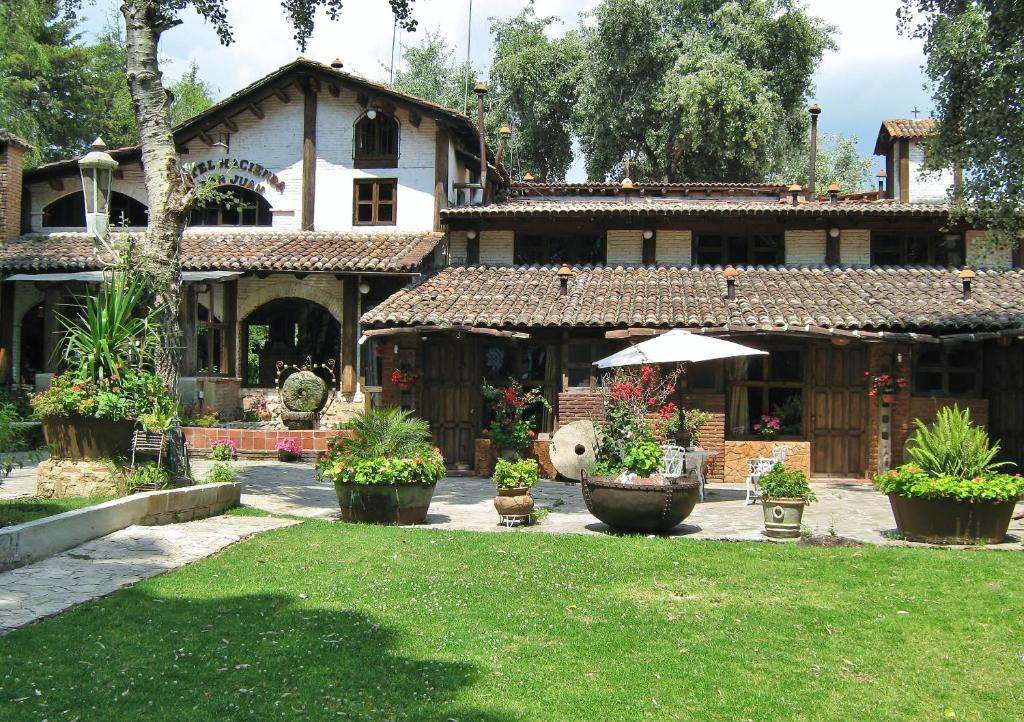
[288, 330]
[32, 354]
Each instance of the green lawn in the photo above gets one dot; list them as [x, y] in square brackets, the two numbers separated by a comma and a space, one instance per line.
[18, 511]
[331, 621]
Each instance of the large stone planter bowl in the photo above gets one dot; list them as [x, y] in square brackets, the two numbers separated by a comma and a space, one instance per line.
[384, 503]
[782, 517]
[952, 520]
[641, 508]
[81, 437]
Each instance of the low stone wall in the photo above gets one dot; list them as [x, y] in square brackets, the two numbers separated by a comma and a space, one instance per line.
[737, 453]
[342, 408]
[64, 477]
[25, 543]
[260, 442]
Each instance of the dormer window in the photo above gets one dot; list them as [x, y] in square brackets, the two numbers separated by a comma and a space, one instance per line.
[376, 141]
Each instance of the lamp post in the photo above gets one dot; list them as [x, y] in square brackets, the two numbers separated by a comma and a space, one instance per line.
[97, 168]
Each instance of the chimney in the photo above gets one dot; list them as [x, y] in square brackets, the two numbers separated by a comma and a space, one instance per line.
[794, 190]
[12, 152]
[815, 111]
[730, 274]
[504, 132]
[337, 64]
[527, 177]
[564, 274]
[966, 276]
[481, 90]
[833, 193]
[880, 175]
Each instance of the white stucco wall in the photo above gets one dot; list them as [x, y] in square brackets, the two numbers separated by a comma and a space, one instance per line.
[625, 248]
[927, 187]
[805, 248]
[855, 247]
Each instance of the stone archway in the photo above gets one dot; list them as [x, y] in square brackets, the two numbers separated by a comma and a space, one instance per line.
[288, 330]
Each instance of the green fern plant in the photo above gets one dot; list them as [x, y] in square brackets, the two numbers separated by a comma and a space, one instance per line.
[388, 433]
[954, 446]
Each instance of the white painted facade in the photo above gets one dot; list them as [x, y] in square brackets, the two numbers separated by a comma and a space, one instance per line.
[927, 186]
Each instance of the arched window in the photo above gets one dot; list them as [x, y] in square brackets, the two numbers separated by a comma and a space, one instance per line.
[376, 141]
[69, 211]
[242, 207]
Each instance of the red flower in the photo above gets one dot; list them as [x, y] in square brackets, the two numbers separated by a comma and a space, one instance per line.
[646, 374]
[486, 432]
[670, 389]
[532, 434]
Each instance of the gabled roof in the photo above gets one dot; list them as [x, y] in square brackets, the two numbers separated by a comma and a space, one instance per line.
[767, 298]
[10, 138]
[241, 250]
[286, 75]
[896, 128]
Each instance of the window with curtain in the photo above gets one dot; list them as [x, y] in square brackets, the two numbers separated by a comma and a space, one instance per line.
[770, 385]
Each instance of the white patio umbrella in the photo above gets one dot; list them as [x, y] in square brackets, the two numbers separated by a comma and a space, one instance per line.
[676, 346]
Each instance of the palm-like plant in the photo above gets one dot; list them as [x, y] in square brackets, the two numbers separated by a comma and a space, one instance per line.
[388, 433]
[109, 333]
[954, 446]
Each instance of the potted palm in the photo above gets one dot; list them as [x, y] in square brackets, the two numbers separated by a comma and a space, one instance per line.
[784, 494]
[513, 481]
[952, 489]
[386, 470]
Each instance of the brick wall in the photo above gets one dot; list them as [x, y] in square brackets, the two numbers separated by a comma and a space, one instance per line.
[496, 247]
[672, 248]
[10, 190]
[981, 254]
[712, 434]
[805, 248]
[854, 246]
[625, 248]
[580, 405]
[925, 408]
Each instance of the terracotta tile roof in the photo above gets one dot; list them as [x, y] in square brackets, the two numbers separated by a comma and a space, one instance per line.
[904, 128]
[767, 298]
[674, 208]
[7, 136]
[239, 250]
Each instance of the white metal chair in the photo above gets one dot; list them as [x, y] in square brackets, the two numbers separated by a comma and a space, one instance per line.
[757, 468]
[673, 461]
[780, 452]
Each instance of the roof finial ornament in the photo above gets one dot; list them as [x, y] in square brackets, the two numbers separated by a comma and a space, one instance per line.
[915, 111]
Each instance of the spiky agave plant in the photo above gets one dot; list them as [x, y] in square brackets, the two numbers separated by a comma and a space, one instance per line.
[388, 433]
[954, 446]
[111, 329]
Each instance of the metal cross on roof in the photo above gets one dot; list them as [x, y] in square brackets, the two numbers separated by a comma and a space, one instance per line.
[915, 111]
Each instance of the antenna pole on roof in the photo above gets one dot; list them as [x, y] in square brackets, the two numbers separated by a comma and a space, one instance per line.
[394, 34]
[469, 46]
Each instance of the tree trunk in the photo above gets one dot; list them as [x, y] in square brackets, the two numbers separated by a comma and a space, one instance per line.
[159, 254]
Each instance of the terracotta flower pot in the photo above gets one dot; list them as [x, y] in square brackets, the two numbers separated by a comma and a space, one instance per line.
[952, 520]
[384, 503]
[782, 517]
[514, 501]
[405, 385]
[888, 398]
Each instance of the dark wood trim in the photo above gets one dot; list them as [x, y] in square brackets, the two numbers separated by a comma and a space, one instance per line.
[230, 340]
[441, 143]
[205, 137]
[376, 183]
[189, 304]
[256, 110]
[282, 95]
[649, 250]
[389, 161]
[308, 157]
[349, 334]
[334, 89]
[415, 119]
[230, 125]
[7, 332]
[55, 182]
[904, 171]
[832, 255]
[51, 333]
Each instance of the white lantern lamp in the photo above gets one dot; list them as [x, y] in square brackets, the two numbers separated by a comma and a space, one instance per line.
[97, 168]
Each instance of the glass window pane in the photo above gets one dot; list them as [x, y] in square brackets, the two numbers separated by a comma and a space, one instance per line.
[385, 191]
[788, 405]
[928, 382]
[785, 365]
[364, 213]
[755, 368]
[385, 213]
[579, 353]
[965, 357]
[579, 376]
[962, 383]
[755, 407]
[929, 356]
[709, 251]
[365, 191]
[704, 377]
[738, 252]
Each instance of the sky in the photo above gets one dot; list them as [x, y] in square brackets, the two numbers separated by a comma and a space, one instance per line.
[875, 73]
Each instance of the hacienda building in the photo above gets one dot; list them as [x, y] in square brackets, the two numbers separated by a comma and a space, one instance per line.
[367, 231]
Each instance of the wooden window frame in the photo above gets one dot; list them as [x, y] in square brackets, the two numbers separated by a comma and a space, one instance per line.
[903, 239]
[375, 201]
[241, 197]
[944, 369]
[213, 329]
[766, 385]
[367, 160]
[752, 247]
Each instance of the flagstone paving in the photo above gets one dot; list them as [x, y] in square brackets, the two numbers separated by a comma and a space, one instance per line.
[104, 565]
[851, 509]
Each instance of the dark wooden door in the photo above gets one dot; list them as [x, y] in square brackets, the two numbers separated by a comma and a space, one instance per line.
[451, 397]
[1004, 389]
[839, 411]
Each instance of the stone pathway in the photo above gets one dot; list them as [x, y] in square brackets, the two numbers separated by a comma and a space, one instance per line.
[104, 565]
[853, 509]
[21, 482]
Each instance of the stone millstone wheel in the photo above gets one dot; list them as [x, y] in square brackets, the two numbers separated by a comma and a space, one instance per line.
[304, 391]
[574, 449]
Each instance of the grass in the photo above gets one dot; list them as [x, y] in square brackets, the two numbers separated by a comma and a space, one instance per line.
[19, 511]
[333, 621]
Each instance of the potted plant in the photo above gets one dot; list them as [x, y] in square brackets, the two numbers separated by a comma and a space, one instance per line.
[403, 379]
[885, 386]
[952, 489]
[768, 426]
[784, 494]
[513, 480]
[386, 471]
[288, 449]
[512, 431]
[692, 423]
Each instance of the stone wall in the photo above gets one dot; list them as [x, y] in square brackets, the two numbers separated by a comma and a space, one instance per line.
[737, 453]
[56, 478]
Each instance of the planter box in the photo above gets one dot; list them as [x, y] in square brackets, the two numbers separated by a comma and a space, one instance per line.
[782, 517]
[641, 508]
[384, 503]
[951, 520]
[81, 437]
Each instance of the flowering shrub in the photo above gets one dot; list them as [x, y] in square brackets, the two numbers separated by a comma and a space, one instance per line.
[768, 426]
[125, 394]
[515, 474]
[401, 376]
[259, 409]
[631, 396]
[692, 422]
[884, 384]
[510, 428]
[425, 468]
[224, 450]
[910, 480]
[288, 449]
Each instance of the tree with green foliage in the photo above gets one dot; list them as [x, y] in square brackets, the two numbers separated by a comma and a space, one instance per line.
[838, 162]
[696, 89]
[190, 95]
[432, 73]
[975, 54]
[534, 85]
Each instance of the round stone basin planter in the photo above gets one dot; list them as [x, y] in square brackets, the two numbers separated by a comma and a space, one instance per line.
[952, 521]
[513, 501]
[384, 503]
[651, 506]
[782, 517]
[83, 437]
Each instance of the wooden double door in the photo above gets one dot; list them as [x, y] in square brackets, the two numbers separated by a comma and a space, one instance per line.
[839, 409]
[451, 397]
[1004, 389]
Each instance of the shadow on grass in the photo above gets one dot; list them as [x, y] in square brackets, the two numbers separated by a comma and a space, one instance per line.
[19, 511]
[255, 656]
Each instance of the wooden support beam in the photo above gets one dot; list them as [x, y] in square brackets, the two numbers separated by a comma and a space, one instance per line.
[55, 183]
[51, 327]
[229, 344]
[188, 314]
[308, 157]
[7, 332]
[415, 119]
[441, 143]
[349, 334]
[231, 125]
[205, 137]
[282, 95]
[363, 99]
[256, 110]
[334, 89]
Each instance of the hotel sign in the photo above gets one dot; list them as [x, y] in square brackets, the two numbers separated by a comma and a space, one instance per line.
[236, 172]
